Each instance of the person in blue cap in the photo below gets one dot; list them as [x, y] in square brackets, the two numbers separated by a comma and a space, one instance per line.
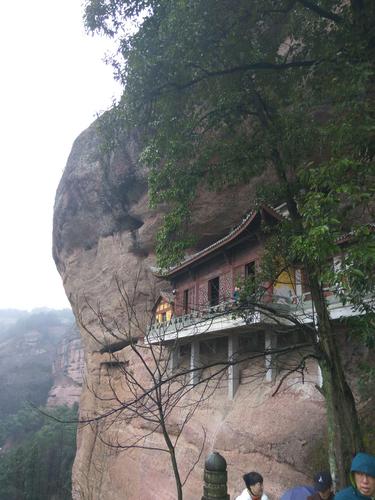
[322, 489]
[362, 476]
[322, 486]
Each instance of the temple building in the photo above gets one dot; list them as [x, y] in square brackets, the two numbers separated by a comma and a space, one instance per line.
[203, 315]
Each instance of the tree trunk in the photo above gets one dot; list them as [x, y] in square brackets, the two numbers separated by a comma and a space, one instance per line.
[172, 454]
[170, 446]
[344, 435]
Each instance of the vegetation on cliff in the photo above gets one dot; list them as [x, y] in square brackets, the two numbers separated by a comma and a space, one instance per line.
[36, 461]
[36, 453]
[283, 88]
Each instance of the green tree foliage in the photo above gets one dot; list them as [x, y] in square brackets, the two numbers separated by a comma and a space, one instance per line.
[222, 94]
[39, 465]
[17, 426]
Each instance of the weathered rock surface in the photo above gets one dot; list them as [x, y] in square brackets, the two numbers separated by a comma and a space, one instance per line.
[67, 371]
[104, 234]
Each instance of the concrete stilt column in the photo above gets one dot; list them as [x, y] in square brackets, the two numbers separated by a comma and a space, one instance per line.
[298, 285]
[173, 359]
[233, 370]
[215, 478]
[320, 377]
[194, 362]
[269, 343]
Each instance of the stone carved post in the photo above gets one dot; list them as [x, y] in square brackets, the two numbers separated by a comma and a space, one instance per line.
[215, 478]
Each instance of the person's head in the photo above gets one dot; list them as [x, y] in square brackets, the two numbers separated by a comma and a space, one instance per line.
[363, 473]
[254, 483]
[323, 484]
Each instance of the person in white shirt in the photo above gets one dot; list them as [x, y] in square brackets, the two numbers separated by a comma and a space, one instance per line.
[254, 487]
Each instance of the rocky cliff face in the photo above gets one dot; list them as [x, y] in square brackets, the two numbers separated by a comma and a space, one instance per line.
[67, 371]
[104, 233]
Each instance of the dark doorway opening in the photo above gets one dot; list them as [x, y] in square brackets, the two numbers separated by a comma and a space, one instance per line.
[250, 270]
[186, 302]
[213, 291]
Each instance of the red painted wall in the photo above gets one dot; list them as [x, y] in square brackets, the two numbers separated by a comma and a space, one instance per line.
[228, 266]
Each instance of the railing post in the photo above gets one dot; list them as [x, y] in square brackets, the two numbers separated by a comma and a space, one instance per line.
[215, 478]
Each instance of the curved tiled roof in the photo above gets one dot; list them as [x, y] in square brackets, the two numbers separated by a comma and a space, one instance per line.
[244, 224]
[348, 236]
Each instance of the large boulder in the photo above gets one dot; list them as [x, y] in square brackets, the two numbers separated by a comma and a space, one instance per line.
[104, 237]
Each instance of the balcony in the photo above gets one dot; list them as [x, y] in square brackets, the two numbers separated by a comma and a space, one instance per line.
[221, 318]
[302, 308]
[228, 316]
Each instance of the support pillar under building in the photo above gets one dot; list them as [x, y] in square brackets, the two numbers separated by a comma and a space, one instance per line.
[233, 370]
[269, 344]
[194, 362]
[173, 359]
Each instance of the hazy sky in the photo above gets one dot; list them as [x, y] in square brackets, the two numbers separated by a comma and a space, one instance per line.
[53, 82]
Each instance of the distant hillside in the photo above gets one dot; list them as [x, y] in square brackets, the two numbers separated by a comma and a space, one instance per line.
[40, 358]
[10, 316]
[15, 320]
[28, 345]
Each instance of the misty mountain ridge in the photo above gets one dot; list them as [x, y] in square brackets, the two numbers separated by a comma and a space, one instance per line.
[28, 346]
